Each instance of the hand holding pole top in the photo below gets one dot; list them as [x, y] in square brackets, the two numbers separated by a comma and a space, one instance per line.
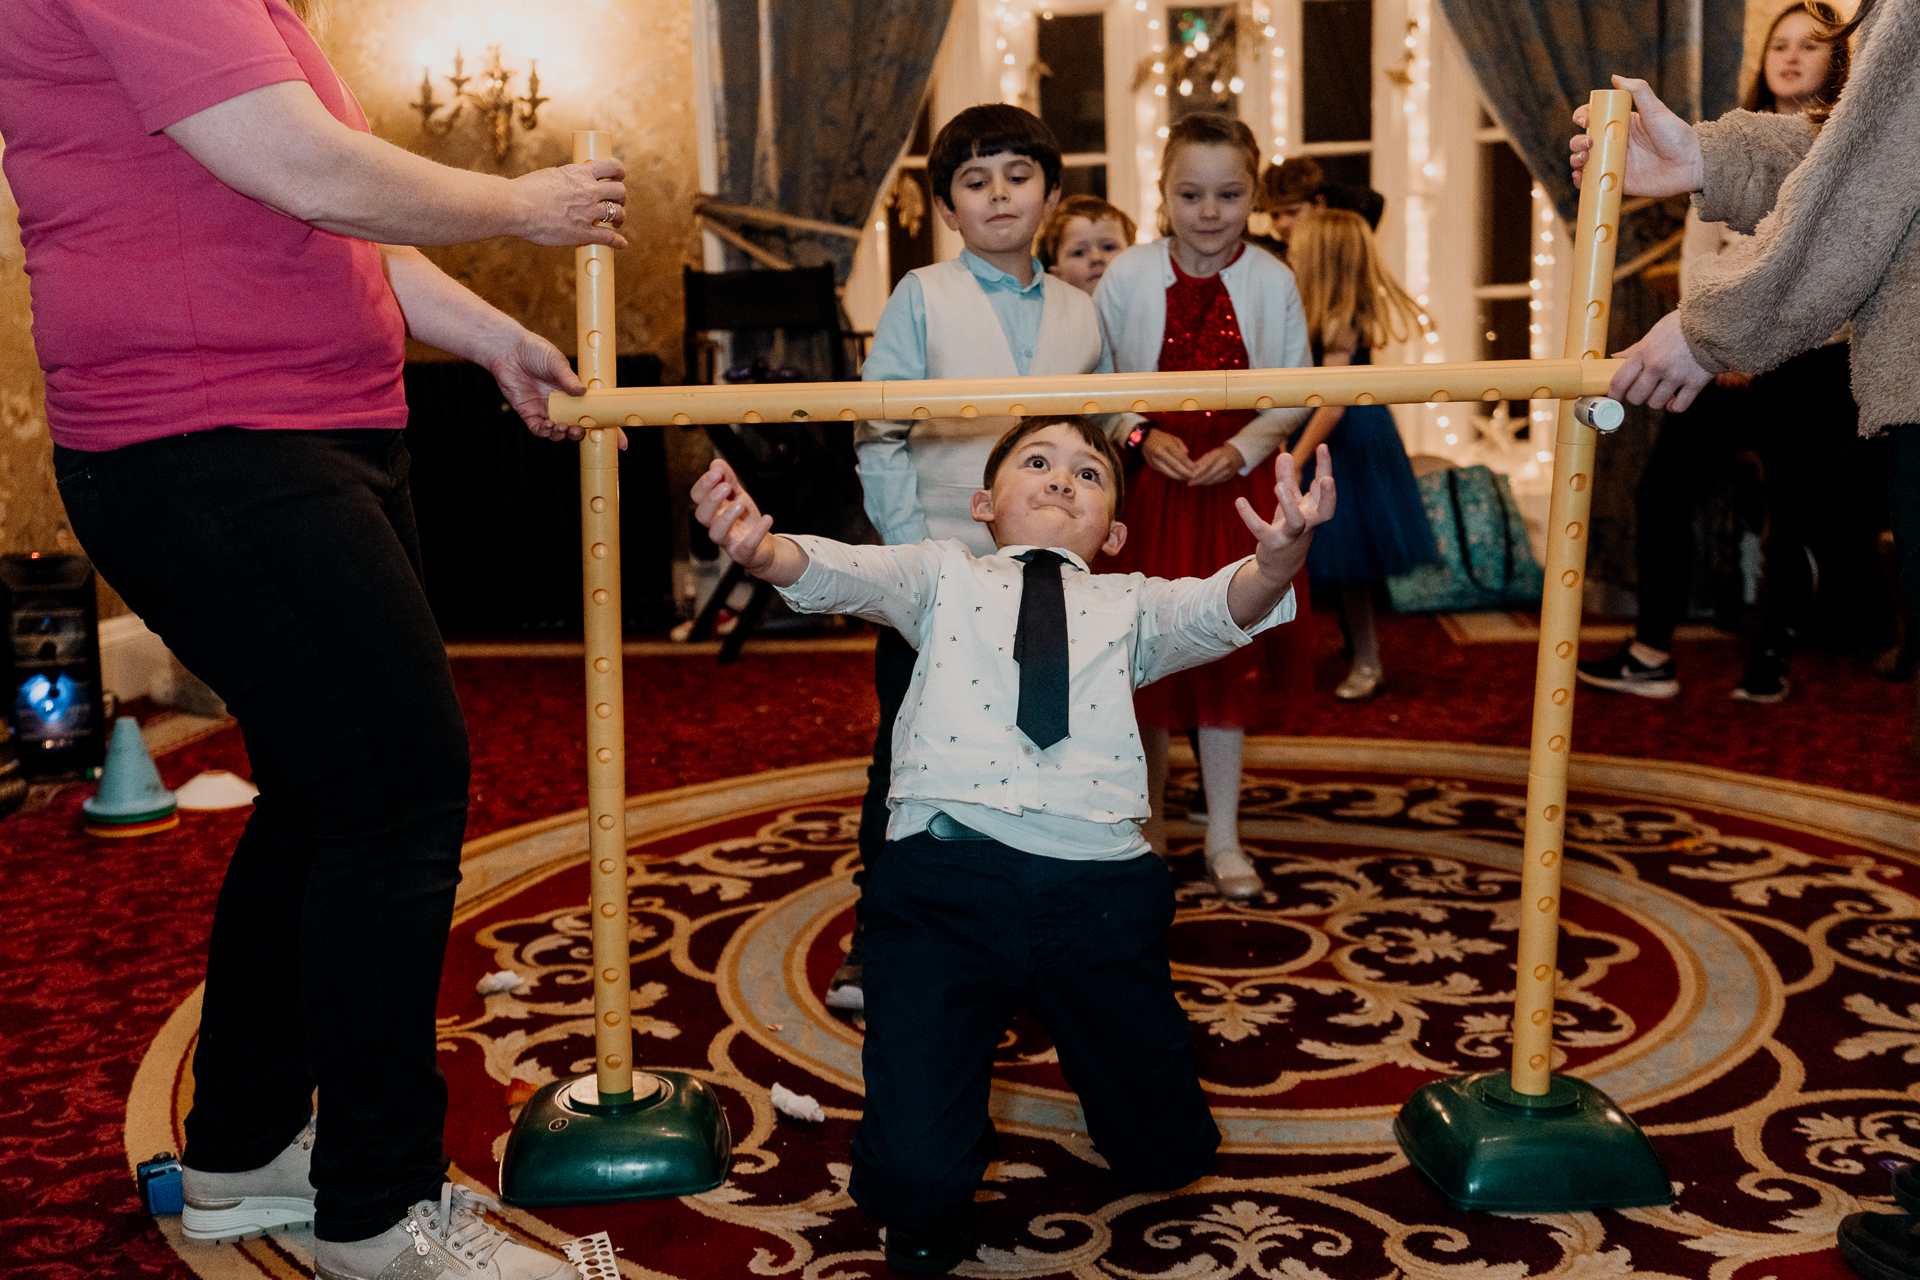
[606, 719]
[1595, 241]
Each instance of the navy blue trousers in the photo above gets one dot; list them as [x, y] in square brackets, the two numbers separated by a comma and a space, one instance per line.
[283, 568]
[961, 935]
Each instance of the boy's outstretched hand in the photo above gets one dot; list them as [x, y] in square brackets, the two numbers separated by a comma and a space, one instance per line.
[723, 505]
[1282, 552]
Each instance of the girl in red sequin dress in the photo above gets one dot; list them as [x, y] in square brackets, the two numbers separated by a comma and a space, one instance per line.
[1202, 299]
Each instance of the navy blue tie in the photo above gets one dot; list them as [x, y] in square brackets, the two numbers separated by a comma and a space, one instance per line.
[1040, 647]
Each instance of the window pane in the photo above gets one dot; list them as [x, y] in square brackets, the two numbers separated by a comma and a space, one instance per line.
[1352, 172]
[1506, 205]
[1504, 334]
[1084, 180]
[1203, 64]
[1073, 80]
[1336, 65]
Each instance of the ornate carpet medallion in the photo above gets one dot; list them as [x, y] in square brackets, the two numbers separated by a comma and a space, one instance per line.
[1740, 968]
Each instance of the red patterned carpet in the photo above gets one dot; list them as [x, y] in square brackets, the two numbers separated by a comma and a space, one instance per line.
[103, 942]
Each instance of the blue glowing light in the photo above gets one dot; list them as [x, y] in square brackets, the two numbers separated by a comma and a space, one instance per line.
[54, 701]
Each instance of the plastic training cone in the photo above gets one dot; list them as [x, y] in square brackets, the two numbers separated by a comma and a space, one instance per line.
[131, 799]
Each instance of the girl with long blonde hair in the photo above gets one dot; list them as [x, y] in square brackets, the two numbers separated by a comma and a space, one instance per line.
[1353, 306]
[1202, 298]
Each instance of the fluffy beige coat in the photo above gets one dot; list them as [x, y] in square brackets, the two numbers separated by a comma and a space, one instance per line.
[1833, 215]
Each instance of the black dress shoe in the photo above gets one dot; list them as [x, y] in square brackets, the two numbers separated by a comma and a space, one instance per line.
[1880, 1246]
[932, 1250]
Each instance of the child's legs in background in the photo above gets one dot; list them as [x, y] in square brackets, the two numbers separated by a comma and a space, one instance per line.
[1102, 988]
[1220, 756]
[1689, 449]
[893, 660]
[1356, 602]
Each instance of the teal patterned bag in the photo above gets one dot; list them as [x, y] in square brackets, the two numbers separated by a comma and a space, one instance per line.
[1485, 561]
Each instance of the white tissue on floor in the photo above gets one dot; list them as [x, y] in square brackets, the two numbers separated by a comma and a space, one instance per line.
[505, 980]
[216, 789]
[798, 1105]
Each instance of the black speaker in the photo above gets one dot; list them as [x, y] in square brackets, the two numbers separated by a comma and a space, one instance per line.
[53, 681]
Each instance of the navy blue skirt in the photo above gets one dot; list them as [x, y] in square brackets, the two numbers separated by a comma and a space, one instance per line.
[1379, 526]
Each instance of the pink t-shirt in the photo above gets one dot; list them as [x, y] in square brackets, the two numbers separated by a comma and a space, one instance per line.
[164, 301]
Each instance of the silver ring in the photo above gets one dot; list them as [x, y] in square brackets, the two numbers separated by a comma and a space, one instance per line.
[613, 211]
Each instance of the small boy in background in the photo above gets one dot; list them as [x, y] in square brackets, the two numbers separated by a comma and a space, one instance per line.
[1084, 234]
[1016, 875]
[993, 312]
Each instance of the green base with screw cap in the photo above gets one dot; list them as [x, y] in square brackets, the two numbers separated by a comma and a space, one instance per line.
[669, 1137]
[1484, 1146]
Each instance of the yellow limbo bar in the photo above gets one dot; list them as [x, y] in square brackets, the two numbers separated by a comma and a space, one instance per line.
[1490, 380]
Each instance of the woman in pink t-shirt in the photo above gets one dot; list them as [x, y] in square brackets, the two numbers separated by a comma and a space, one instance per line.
[221, 293]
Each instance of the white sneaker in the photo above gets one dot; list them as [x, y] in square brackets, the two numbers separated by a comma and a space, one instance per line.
[437, 1238]
[240, 1206]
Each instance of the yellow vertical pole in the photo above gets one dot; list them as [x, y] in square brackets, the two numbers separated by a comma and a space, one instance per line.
[606, 718]
[1596, 238]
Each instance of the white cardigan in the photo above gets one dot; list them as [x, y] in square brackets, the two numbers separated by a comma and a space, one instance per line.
[1132, 300]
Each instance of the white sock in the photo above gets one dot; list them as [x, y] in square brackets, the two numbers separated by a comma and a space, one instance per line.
[1221, 751]
[1648, 656]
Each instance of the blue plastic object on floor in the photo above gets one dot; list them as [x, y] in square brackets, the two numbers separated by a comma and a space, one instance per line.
[130, 788]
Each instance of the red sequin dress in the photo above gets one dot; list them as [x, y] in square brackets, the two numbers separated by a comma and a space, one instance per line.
[1176, 531]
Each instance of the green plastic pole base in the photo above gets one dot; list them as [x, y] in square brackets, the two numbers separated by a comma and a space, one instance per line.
[668, 1137]
[1484, 1146]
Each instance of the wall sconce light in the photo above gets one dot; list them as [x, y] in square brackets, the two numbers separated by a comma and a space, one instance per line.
[493, 99]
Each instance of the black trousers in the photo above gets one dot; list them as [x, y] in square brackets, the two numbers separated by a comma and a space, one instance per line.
[283, 568]
[893, 660]
[1799, 418]
[960, 935]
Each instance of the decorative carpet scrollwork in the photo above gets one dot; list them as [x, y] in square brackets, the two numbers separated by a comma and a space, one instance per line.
[1741, 979]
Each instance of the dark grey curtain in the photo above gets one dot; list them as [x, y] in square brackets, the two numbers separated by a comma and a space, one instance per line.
[1535, 61]
[816, 100]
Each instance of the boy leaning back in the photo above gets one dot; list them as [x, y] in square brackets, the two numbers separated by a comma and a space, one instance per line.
[992, 312]
[1016, 876]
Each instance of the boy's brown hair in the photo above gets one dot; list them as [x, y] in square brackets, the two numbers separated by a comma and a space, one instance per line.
[1095, 439]
[1292, 180]
[990, 129]
[1094, 210]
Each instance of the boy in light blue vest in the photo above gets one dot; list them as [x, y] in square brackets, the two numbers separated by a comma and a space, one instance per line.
[992, 312]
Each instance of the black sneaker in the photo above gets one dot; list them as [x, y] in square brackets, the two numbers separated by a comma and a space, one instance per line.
[1765, 679]
[1624, 673]
[932, 1250]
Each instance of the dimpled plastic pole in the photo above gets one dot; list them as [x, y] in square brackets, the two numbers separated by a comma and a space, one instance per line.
[1490, 380]
[1596, 238]
[606, 719]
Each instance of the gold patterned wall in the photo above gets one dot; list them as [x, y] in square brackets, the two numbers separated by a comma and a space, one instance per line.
[620, 65]
[30, 513]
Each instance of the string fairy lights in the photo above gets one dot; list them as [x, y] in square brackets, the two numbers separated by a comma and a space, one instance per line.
[1016, 49]
[1540, 413]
